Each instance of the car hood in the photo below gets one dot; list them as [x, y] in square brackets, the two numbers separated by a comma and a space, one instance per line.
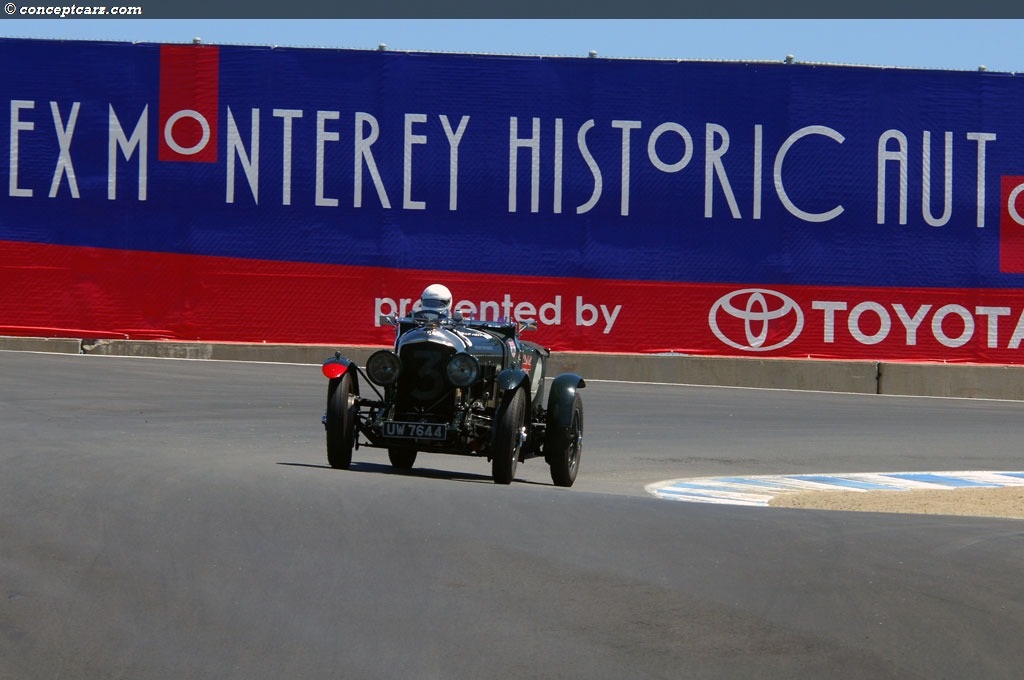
[485, 345]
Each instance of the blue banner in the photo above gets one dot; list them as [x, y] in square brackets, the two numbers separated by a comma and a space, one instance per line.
[655, 170]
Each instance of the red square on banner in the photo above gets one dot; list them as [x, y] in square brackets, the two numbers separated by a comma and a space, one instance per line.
[1011, 225]
[189, 94]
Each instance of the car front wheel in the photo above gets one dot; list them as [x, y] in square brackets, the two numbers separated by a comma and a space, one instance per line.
[340, 423]
[508, 439]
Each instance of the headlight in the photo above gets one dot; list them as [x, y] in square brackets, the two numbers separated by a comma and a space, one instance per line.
[383, 367]
[463, 369]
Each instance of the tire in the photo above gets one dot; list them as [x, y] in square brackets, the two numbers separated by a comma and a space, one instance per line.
[564, 448]
[340, 423]
[402, 458]
[508, 441]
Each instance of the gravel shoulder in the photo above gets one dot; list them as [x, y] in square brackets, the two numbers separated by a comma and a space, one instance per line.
[1007, 502]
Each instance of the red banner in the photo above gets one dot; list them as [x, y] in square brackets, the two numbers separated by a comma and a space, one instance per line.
[91, 292]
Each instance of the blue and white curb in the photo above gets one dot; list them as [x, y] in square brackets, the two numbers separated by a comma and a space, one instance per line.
[759, 490]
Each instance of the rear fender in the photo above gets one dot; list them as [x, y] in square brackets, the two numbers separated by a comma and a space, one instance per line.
[560, 400]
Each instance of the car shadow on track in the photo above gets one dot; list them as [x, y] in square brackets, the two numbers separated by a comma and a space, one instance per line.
[425, 473]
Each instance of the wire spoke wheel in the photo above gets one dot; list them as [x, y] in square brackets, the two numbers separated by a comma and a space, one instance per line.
[508, 439]
[564, 449]
[340, 423]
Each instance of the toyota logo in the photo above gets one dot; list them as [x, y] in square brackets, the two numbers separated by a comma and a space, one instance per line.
[756, 319]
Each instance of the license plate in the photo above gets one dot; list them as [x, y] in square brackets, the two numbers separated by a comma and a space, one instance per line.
[415, 430]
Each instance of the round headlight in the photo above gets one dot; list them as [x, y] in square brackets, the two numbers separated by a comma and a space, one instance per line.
[383, 367]
[463, 369]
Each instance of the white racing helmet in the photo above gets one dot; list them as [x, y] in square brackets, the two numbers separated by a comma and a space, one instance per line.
[437, 299]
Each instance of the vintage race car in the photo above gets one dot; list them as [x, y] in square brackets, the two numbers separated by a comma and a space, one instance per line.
[458, 386]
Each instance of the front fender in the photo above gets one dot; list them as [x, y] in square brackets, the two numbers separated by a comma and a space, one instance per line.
[510, 379]
[507, 382]
[337, 366]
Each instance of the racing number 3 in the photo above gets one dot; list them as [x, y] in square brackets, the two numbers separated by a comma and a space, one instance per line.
[429, 382]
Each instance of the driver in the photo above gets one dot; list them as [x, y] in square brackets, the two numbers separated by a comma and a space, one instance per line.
[436, 301]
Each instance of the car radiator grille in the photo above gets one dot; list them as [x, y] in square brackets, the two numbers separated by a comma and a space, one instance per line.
[422, 386]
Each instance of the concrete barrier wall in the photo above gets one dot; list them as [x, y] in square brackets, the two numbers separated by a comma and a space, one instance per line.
[61, 345]
[952, 380]
[862, 377]
[830, 376]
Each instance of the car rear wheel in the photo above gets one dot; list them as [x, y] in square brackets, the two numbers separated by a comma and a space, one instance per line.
[402, 458]
[340, 423]
[508, 439]
[563, 448]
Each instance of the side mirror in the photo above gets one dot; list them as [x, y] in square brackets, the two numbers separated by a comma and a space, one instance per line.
[388, 320]
[527, 326]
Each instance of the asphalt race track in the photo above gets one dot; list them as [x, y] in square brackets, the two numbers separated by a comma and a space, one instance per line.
[175, 519]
